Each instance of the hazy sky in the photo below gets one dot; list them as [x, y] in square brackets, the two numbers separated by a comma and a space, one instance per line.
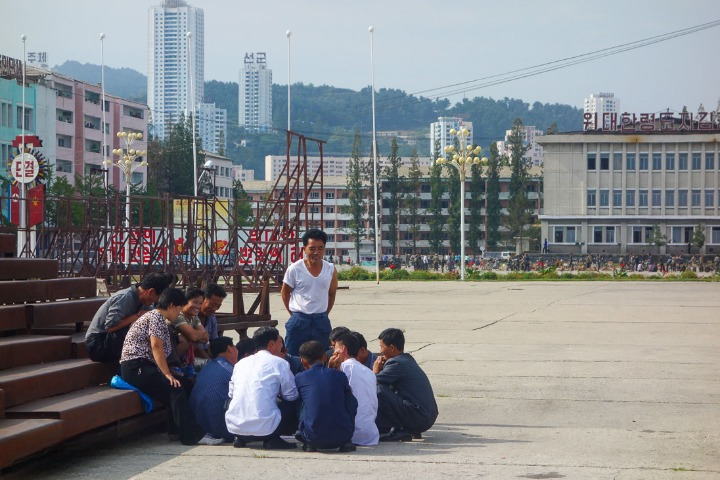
[419, 44]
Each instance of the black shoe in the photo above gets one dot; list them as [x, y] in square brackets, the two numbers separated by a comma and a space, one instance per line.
[239, 443]
[348, 447]
[299, 437]
[416, 435]
[278, 443]
[306, 447]
[397, 435]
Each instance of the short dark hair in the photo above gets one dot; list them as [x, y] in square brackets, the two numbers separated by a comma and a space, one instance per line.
[393, 336]
[315, 233]
[336, 332]
[360, 339]
[213, 289]
[246, 346]
[193, 292]
[265, 335]
[312, 352]
[351, 342]
[219, 345]
[171, 296]
[158, 281]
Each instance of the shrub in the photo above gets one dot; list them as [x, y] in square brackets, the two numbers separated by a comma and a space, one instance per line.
[396, 274]
[424, 275]
[688, 275]
[489, 276]
[355, 273]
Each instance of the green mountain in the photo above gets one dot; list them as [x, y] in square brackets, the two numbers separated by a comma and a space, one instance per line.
[333, 114]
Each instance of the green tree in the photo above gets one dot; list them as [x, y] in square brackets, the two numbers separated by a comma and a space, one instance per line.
[393, 184]
[475, 219]
[492, 196]
[371, 175]
[411, 199]
[356, 197]
[170, 166]
[519, 208]
[242, 210]
[434, 212]
[657, 237]
[698, 238]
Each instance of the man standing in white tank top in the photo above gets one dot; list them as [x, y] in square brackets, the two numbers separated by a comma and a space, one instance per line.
[308, 292]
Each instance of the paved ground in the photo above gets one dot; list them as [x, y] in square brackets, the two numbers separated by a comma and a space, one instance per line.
[534, 380]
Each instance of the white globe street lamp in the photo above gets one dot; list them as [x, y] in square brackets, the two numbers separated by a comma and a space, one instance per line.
[127, 162]
[462, 158]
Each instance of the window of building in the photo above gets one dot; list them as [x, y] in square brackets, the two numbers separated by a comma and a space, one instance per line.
[682, 198]
[715, 235]
[696, 161]
[683, 161]
[630, 161]
[657, 161]
[643, 198]
[710, 161]
[64, 166]
[630, 198]
[329, 224]
[604, 161]
[617, 198]
[329, 195]
[669, 161]
[681, 235]
[669, 198]
[591, 161]
[64, 141]
[643, 161]
[330, 237]
[695, 198]
[28, 118]
[136, 178]
[5, 114]
[604, 198]
[656, 200]
[565, 234]
[591, 198]
[617, 161]
[329, 209]
[314, 194]
[641, 233]
[709, 198]
[603, 234]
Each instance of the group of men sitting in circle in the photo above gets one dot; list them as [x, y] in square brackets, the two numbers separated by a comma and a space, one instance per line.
[216, 391]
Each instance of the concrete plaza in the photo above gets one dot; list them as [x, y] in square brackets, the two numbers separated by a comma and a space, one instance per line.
[540, 380]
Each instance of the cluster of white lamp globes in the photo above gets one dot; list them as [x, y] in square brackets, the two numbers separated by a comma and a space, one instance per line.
[127, 161]
[461, 157]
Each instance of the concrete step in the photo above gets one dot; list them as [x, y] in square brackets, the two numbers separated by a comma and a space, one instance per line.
[82, 410]
[33, 382]
[21, 350]
[20, 438]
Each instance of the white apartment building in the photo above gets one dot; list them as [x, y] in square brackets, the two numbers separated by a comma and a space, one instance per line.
[218, 172]
[534, 155]
[603, 106]
[212, 127]
[242, 174]
[255, 93]
[605, 190]
[170, 63]
[440, 131]
[332, 166]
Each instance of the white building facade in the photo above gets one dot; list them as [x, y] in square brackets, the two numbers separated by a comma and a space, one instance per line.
[534, 154]
[170, 63]
[606, 191]
[604, 105]
[255, 93]
[212, 127]
[440, 132]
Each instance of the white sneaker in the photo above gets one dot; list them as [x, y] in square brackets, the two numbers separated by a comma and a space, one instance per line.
[210, 440]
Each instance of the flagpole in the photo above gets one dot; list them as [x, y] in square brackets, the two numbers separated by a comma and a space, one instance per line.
[375, 159]
[22, 230]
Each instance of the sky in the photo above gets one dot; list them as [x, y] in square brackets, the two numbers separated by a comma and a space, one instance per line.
[418, 45]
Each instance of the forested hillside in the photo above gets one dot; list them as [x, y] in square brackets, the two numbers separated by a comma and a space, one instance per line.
[333, 114]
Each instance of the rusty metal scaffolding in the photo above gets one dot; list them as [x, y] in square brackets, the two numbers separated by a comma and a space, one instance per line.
[197, 238]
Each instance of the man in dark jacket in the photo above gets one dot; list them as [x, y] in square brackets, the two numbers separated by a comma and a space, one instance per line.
[406, 403]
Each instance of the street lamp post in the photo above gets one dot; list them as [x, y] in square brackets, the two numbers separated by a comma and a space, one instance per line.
[462, 159]
[127, 163]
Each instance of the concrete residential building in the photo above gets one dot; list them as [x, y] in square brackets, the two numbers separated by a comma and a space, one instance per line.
[169, 83]
[440, 131]
[534, 155]
[604, 105]
[605, 190]
[219, 174]
[255, 94]
[212, 127]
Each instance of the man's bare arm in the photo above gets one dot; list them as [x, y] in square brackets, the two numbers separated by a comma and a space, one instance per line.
[331, 292]
[285, 292]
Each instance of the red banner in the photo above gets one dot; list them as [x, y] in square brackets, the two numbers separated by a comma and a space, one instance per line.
[35, 204]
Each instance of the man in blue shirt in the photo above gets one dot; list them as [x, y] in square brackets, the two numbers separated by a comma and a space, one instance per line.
[328, 407]
[210, 393]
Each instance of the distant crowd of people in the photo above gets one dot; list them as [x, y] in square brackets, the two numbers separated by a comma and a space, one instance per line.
[320, 385]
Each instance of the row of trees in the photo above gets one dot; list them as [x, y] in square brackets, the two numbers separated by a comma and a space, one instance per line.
[658, 239]
[401, 196]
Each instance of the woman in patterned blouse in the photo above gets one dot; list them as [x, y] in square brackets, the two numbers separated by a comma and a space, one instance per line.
[144, 363]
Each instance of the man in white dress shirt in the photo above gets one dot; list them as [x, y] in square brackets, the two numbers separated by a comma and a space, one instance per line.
[364, 387]
[308, 293]
[262, 395]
